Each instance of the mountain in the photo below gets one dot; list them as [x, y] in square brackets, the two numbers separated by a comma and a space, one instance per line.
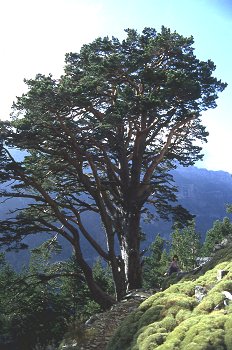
[204, 193]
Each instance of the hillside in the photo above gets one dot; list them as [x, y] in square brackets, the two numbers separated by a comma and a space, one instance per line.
[173, 319]
[193, 314]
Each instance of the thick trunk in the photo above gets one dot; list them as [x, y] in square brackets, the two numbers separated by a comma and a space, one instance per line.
[134, 271]
[117, 269]
[118, 272]
[130, 250]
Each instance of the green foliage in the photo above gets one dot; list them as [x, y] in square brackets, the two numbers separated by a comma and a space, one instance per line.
[174, 320]
[35, 311]
[75, 293]
[155, 264]
[220, 230]
[186, 245]
[228, 327]
[76, 336]
[103, 276]
[7, 278]
[47, 300]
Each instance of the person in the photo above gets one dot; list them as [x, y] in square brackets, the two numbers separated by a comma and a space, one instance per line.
[174, 267]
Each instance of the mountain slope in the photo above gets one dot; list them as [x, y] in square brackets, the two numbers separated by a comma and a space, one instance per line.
[177, 319]
[204, 193]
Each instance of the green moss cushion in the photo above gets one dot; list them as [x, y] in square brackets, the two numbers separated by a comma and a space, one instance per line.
[175, 320]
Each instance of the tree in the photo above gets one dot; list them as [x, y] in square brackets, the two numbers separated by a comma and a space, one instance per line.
[186, 245]
[102, 139]
[155, 264]
[7, 276]
[40, 303]
[220, 230]
[34, 311]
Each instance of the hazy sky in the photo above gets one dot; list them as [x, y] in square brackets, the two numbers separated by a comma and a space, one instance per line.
[36, 34]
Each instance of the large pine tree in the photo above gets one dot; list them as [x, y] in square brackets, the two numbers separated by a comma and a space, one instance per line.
[102, 139]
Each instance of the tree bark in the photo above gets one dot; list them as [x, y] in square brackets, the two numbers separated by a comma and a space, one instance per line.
[134, 259]
[130, 250]
[118, 272]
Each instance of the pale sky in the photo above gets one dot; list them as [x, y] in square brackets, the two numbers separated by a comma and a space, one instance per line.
[36, 34]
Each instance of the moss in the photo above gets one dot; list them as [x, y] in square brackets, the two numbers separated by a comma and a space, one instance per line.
[152, 341]
[175, 338]
[150, 315]
[214, 297]
[225, 284]
[152, 300]
[228, 333]
[183, 315]
[207, 333]
[176, 302]
[209, 304]
[174, 320]
[125, 333]
[208, 279]
[147, 331]
[168, 323]
[186, 287]
[173, 279]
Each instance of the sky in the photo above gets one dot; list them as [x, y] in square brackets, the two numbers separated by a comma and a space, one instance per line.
[36, 34]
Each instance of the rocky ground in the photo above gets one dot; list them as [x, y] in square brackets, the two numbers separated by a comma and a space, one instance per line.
[100, 327]
[106, 323]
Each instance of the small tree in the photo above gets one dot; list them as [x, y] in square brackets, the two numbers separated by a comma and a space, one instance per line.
[215, 235]
[155, 264]
[38, 303]
[7, 277]
[101, 140]
[37, 313]
[186, 245]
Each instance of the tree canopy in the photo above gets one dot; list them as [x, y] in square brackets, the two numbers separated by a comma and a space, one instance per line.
[102, 139]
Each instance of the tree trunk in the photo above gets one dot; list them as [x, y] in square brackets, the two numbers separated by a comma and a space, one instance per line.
[119, 278]
[99, 296]
[130, 251]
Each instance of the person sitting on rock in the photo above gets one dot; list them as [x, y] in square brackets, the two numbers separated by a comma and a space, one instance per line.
[174, 267]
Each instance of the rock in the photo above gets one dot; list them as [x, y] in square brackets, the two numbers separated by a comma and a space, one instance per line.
[217, 247]
[91, 320]
[223, 243]
[202, 260]
[221, 274]
[228, 295]
[140, 294]
[200, 293]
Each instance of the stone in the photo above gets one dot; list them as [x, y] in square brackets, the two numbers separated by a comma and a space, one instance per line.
[200, 293]
[221, 274]
[228, 295]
